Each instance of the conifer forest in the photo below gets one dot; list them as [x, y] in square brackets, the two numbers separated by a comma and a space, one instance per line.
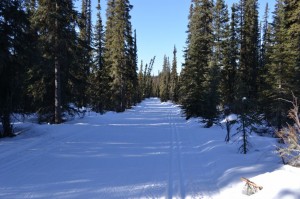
[54, 60]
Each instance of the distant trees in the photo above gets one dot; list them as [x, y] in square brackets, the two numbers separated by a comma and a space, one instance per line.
[167, 81]
[164, 78]
[147, 85]
[53, 57]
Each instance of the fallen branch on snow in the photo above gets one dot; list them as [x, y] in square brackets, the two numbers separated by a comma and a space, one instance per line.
[250, 187]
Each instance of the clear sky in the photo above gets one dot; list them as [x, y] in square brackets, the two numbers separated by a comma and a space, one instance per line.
[161, 24]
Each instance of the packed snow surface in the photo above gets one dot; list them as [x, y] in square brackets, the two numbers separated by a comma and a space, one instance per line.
[150, 151]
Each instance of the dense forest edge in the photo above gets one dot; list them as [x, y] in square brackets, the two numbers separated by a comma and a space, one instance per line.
[55, 61]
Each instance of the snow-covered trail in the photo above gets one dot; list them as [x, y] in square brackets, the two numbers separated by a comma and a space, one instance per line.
[134, 154]
[149, 151]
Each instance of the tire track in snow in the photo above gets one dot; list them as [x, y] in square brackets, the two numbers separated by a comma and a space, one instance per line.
[176, 187]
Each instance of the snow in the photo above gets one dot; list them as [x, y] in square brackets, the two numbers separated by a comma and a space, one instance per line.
[149, 151]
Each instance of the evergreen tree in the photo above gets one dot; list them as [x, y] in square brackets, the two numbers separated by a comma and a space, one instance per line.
[148, 80]
[141, 83]
[220, 23]
[183, 76]
[230, 61]
[247, 120]
[279, 77]
[55, 23]
[195, 74]
[98, 80]
[133, 72]
[265, 37]
[174, 78]
[164, 77]
[265, 53]
[248, 69]
[292, 25]
[14, 42]
[84, 53]
[119, 54]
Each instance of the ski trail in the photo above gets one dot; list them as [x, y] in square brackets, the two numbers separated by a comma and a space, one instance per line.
[181, 178]
[176, 187]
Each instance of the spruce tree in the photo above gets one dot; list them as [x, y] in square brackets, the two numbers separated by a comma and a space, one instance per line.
[174, 79]
[183, 76]
[81, 73]
[164, 77]
[54, 21]
[279, 78]
[119, 54]
[292, 17]
[194, 81]
[248, 69]
[265, 53]
[265, 37]
[141, 83]
[230, 61]
[217, 61]
[148, 80]
[14, 42]
[98, 78]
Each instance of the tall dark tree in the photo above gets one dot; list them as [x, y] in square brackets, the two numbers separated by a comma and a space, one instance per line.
[84, 53]
[248, 68]
[194, 80]
[174, 86]
[292, 16]
[54, 21]
[164, 77]
[183, 76]
[146, 80]
[141, 83]
[217, 61]
[230, 61]
[279, 73]
[14, 29]
[134, 68]
[86, 22]
[264, 62]
[98, 79]
[119, 54]
[265, 37]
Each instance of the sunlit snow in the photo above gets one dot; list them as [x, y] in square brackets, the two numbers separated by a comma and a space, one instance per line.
[150, 151]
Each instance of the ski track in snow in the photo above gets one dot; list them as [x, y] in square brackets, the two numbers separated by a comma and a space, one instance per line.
[176, 185]
[149, 151]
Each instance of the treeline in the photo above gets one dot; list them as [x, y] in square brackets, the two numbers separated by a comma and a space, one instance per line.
[53, 59]
[231, 57]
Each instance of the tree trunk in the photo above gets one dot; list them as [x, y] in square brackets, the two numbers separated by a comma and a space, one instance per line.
[57, 112]
[7, 128]
[57, 93]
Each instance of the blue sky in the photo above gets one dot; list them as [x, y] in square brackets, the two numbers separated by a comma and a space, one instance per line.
[160, 25]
